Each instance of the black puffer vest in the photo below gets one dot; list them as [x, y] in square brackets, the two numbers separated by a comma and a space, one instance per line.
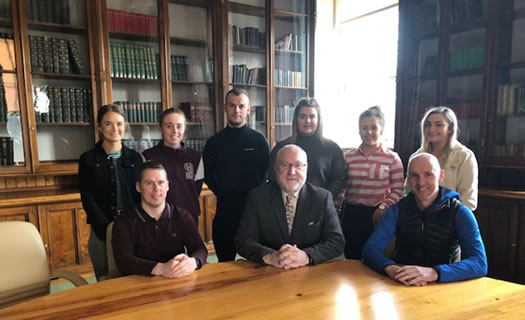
[426, 240]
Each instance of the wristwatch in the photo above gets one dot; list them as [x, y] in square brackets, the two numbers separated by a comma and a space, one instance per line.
[198, 262]
[382, 206]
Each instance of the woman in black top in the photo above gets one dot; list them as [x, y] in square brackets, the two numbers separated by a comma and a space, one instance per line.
[107, 177]
[326, 165]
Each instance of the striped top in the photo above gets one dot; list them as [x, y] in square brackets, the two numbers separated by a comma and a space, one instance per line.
[372, 180]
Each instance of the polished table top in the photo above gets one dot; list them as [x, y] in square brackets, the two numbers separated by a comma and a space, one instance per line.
[340, 289]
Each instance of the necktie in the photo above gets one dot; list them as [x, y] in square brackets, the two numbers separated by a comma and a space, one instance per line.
[290, 211]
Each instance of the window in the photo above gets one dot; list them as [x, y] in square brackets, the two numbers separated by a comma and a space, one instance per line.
[355, 69]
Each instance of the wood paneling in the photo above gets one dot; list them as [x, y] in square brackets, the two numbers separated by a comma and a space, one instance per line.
[27, 213]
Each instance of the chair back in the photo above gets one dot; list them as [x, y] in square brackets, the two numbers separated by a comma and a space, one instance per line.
[112, 266]
[24, 272]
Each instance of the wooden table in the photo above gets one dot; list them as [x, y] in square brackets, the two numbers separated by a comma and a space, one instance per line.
[340, 289]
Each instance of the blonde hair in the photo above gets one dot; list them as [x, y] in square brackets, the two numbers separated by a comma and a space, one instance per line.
[452, 120]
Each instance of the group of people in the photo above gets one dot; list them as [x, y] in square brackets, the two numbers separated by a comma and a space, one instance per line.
[303, 203]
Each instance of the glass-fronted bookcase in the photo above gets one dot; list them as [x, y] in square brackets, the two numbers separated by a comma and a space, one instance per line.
[268, 55]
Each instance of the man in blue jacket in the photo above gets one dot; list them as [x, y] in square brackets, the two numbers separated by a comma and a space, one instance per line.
[430, 225]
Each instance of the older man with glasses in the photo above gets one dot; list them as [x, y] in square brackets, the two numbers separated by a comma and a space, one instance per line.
[289, 223]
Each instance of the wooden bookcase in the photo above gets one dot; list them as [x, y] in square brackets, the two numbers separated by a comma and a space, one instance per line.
[468, 55]
[147, 56]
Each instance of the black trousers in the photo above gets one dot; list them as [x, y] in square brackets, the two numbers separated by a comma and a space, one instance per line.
[225, 225]
[357, 227]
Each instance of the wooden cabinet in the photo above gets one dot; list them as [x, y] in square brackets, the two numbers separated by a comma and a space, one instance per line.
[65, 233]
[26, 213]
[208, 205]
[501, 219]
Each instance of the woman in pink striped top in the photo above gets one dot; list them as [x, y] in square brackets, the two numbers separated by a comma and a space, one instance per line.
[375, 181]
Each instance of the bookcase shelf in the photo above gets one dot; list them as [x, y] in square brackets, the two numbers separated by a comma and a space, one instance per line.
[200, 124]
[63, 76]
[280, 14]
[242, 85]
[515, 65]
[194, 3]
[132, 36]
[468, 26]
[142, 123]
[188, 42]
[250, 49]
[135, 80]
[247, 9]
[5, 23]
[7, 71]
[56, 27]
[290, 88]
[63, 124]
[191, 83]
[281, 52]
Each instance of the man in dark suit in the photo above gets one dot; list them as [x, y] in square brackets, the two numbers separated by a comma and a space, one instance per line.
[289, 223]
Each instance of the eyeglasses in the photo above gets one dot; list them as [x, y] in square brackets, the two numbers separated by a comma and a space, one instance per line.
[296, 166]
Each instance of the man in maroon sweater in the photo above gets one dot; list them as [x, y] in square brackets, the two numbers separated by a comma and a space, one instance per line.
[152, 238]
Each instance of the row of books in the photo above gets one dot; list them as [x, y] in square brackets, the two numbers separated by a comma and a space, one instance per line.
[7, 155]
[5, 9]
[133, 61]
[179, 67]
[140, 145]
[54, 11]
[509, 150]
[55, 55]
[257, 115]
[466, 59]
[3, 103]
[466, 11]
[459, 60]
[511, 99]
[248, 36]
[122, 21]
[284, 113]
[197, 112]
[141, 111]
[289, 42]
[288, 78]
[241, 74]
[66, 105]
[465, 106]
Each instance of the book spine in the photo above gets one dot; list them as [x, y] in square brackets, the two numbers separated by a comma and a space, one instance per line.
[65, 105]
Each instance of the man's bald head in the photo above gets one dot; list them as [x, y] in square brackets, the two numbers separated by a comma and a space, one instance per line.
[424, 176]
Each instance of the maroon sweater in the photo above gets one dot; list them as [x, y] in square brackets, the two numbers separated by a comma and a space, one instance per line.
[140, 242]
[181, 165]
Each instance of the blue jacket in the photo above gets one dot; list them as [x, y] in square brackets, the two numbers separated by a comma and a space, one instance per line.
[474, 262]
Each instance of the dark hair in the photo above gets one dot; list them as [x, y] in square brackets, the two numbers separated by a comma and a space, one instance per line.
[109, 108]
[150, 164]
[307, 103]
[236, 92]
[374, 111]
[170, 111]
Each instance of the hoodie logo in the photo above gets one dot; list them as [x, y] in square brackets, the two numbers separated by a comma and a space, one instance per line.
[189, 172]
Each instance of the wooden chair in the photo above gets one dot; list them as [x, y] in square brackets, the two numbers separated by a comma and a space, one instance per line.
[24, 270]
[112, 266]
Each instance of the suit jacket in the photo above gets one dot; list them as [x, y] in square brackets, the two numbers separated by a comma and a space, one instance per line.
[264, 229]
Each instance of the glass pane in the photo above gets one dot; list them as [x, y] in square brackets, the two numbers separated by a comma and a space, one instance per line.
[464, 97]
[191, 66]
[297, 6]
[135, 68]
[60, 72]
[518, 45]
[290, 69]
[509, 133]
[247, 57]
[467, 50]
[11, 141]
[463, 12]
[428, 16]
